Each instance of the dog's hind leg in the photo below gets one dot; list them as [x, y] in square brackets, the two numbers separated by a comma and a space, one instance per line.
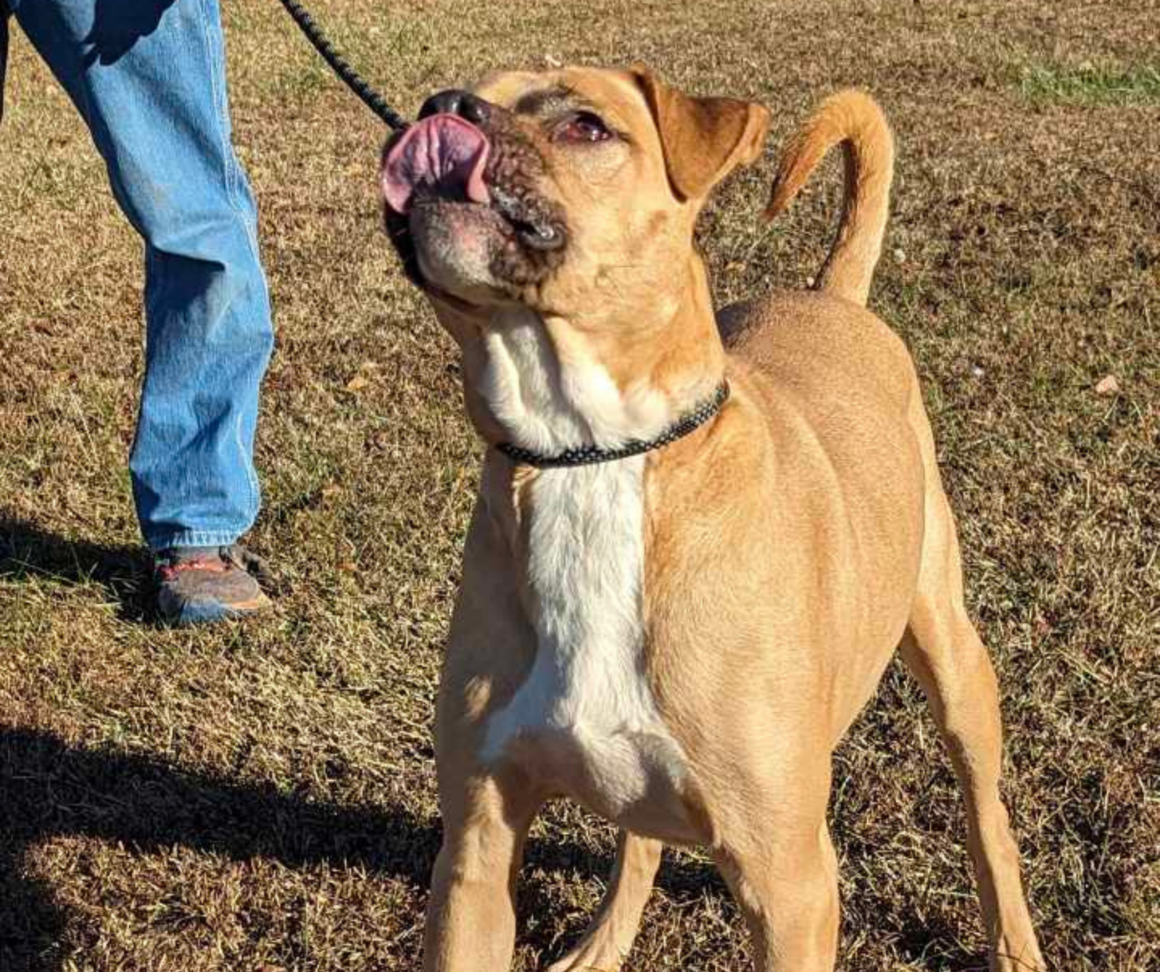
[943, 650]
[609, 938]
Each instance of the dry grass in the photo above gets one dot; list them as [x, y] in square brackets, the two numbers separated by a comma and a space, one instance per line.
[261, 797]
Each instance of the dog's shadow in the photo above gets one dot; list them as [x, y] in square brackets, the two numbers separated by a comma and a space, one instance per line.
[49, 789]
[28, 552]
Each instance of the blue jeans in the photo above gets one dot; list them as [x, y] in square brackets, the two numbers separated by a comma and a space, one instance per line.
[148, 77]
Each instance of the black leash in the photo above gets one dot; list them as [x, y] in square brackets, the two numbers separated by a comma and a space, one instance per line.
[371, 98]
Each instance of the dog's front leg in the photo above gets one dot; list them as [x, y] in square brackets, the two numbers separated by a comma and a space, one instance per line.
[486, 812]
[776, 855]
[471, 918]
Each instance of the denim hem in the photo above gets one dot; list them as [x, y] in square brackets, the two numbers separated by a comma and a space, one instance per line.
[192, 538]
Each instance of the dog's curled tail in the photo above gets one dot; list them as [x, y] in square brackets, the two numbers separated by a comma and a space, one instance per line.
[854, 120]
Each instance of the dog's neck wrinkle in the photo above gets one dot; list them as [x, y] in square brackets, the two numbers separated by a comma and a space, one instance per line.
[542, 388]
[524, 387]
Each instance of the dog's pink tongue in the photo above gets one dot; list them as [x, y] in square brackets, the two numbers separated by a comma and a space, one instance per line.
[445, 152]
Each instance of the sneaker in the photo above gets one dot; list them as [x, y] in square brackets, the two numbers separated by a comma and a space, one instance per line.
[197, 585]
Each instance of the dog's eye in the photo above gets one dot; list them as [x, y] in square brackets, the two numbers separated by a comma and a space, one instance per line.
[583, 126]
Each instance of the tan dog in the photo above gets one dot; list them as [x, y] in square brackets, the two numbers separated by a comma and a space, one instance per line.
[672, 609]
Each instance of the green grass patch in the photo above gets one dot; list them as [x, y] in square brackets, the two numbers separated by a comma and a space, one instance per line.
[1089, 84]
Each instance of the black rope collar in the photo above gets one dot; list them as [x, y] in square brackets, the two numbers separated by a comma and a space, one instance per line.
[590, 454]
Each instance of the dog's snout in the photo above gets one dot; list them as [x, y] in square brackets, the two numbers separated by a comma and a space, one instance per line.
[456, 102]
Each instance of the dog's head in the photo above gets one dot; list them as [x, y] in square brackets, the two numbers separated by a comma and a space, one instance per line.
[559, 191]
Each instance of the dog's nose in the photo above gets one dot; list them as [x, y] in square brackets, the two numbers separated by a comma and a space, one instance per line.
[455, 102]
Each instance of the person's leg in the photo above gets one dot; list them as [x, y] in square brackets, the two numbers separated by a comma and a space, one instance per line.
[148, 77]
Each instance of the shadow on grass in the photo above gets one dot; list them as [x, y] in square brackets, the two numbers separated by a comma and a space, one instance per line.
[49, 789]
[27, 551]
[935, 943]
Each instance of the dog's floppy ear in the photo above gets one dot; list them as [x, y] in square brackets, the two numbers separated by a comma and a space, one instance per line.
[704, 139]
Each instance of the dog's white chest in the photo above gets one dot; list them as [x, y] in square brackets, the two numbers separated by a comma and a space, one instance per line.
[584, 722]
